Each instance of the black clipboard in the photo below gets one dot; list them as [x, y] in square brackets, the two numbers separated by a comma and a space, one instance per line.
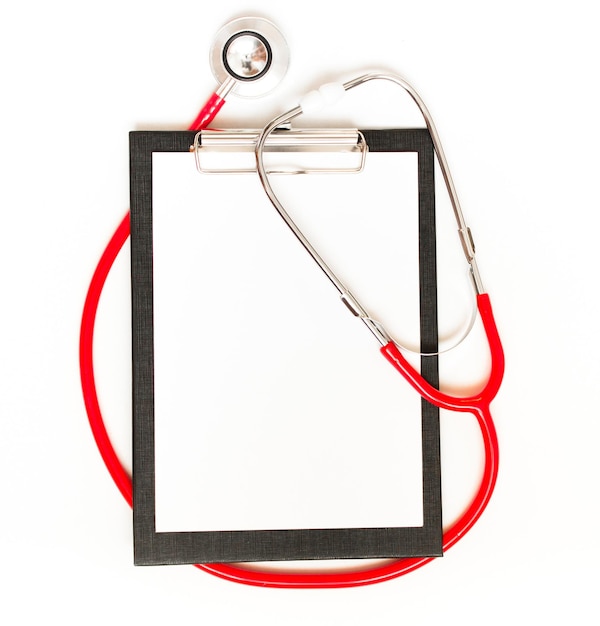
[154, 546]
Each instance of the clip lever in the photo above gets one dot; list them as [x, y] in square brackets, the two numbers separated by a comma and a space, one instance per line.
[308, 143]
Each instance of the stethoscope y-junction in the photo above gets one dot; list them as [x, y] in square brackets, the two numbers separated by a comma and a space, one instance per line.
[249, 57]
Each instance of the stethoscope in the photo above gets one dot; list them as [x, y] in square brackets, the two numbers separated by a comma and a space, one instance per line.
[249, 57]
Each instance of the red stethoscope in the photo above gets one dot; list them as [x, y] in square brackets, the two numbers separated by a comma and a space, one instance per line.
[250, 56]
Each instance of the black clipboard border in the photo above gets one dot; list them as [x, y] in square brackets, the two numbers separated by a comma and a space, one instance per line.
[152, 548]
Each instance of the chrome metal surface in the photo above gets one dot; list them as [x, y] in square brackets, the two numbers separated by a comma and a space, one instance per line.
[225, 87]
[247, 56]
[444, 167]
[254, 52]
[309, 141]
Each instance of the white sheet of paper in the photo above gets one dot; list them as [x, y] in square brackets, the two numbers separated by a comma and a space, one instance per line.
[273, 406]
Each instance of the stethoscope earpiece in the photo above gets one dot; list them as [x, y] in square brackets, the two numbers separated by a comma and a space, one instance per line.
[249, 56]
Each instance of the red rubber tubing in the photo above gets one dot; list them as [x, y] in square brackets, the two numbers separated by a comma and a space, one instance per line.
[86, 361]
[473, 404]
[299, 579]
[208, 112]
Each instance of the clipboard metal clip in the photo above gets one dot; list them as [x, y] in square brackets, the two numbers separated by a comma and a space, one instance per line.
[299, 151]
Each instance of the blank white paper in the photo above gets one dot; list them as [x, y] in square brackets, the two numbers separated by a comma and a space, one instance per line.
[273, 407]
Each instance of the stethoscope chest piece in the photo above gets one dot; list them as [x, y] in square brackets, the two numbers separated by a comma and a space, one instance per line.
[252, 52]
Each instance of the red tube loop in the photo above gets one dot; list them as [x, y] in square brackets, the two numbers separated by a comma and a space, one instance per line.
[473, 404]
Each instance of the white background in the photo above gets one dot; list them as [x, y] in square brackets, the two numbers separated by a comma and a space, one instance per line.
[513, 89]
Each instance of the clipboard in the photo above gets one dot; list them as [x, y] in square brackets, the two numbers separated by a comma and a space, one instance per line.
[172, 292]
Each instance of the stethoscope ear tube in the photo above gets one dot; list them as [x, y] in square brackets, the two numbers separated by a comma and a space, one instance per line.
[329, 94]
